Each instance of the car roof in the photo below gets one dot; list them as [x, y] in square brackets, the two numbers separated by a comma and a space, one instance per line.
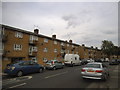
[94, 63]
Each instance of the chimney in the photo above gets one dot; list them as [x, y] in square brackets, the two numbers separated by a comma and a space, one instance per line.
[91, 46]
[36, 31]
[54, 36]
[83, 45]
[96, 47]
[70, 41]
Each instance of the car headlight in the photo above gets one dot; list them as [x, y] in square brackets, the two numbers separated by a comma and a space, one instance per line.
[12, 68]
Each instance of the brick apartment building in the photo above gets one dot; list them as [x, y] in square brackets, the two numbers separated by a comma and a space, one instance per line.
[18, 44]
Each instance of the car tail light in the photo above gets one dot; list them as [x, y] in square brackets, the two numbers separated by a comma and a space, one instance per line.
[52, 62]
[83, 70]
[98, 71]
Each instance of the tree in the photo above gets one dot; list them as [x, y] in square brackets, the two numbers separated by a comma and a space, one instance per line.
[107, 47]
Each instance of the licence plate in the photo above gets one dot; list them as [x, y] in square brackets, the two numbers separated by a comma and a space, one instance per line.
[90, 70]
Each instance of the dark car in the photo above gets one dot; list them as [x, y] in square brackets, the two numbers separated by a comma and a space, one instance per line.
[118, 60]
[98, 60]
[83, 62]
[23, 67]
[113, 62]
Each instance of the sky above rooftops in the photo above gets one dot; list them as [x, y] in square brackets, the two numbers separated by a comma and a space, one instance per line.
[86, 23]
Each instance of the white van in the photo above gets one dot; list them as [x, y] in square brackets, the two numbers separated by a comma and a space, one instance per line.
[72, 59]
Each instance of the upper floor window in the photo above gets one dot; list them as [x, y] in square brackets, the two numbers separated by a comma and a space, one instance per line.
[45, 50]
[33, 48]
[62, 43]
[55, 50]
[72, 45]
[33, 38]
[68, 45]
[46, 40]
[17, 47]
[18, 34]
[55, 42]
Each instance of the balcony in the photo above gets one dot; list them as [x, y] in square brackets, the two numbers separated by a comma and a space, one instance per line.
[33, 42]
[4, 38]
[32, 54]
[63, 47]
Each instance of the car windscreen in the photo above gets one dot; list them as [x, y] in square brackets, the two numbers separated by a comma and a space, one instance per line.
[93, 65]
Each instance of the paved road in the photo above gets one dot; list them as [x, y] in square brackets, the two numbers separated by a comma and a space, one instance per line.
[69, 77]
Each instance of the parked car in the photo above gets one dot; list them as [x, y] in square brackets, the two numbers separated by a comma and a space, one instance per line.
[23, 67]
[84, 61]
[98, 60]
[54, 64]
[113, 62]
[118, 60]
[72, 59]
[95, 70]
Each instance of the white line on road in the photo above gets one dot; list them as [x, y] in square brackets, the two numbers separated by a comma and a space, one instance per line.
[18, 85]
[55, 75]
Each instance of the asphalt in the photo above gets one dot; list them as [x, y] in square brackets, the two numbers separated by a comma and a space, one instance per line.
[69, 77]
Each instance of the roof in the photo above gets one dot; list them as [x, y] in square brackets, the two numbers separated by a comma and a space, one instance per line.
[32, 33]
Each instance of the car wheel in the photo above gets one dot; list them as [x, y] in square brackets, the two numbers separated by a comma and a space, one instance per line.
[40, 70]
[105, 77]
[54, 68]
[19, 73]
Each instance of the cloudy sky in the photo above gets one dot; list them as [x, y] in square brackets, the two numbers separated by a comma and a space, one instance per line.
[84, 22]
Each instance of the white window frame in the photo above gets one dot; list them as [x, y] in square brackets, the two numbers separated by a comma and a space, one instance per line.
[55, 42]
[33, 38]
[68, 51]
[17, 47]
[19, 34]
[55, 50]
[72, 45]
[45, 50]
[62, 44]
[68, 45]
[45, 40]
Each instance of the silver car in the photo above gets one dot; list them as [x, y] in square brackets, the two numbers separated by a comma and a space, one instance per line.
[95, 70]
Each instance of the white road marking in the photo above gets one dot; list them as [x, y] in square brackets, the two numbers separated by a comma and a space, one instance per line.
[55, 75]
[18, 85]
[14, 80]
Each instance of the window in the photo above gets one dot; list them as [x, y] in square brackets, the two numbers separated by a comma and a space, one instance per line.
[33, 38]
[17, 47]
[68, 51]
[62, 51]
[76, 52]
[34, 49]
[55, 42]
[72, 52]
[45, 50]
[68, 45]
[18, 35]
[46, 40]
[45, 60]
[72, 45]
[62, 43]
[55, 50]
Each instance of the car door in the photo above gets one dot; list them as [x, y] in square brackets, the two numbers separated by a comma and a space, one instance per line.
[33, 66]
[25, 67]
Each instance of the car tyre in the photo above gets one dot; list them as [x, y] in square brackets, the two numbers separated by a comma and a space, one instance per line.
[54, 68]
[19, 73]
[105, 77]
[40, 70]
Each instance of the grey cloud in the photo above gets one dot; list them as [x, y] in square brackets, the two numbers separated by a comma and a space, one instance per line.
[77, 19]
